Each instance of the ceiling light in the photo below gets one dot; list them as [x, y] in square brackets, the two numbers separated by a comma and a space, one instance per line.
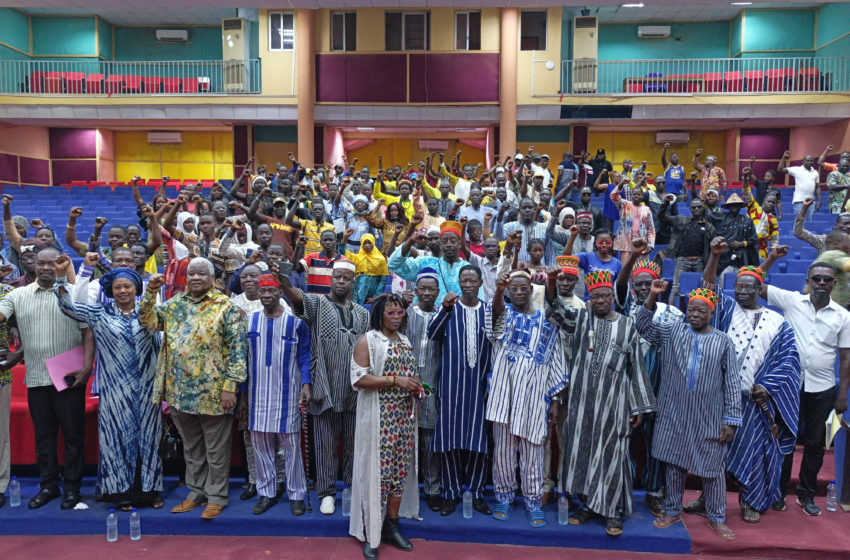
[365, 128]
[640, 5]
[742, 3]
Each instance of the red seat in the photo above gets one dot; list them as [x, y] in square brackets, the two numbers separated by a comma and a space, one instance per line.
[190, 182]
[778, 80]
[74, 82]
[173, 183]
[190, 85]
[692, 83]
[733, 82]
[207, 183]
[152, 84]
[132, 84]
[712, 82]
[634, 87]
[46, 82]
[79, 183]
[754, 80]
[155, 183]
[171, 85]
[97, 184]
[94, 83]
[114, 84]
[809, 79]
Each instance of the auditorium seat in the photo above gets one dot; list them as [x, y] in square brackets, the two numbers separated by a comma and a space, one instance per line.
[114, 84]
[152, 84]
[132, 84]
[808, 79]
[171, 85]
[754, 80]
[75, 82]
[733, 82]
[712, 82]
[94, 83]
[795, 266]
[778, 80]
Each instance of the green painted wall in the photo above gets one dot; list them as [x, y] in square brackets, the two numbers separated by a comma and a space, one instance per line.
[14, 29]
[833, 24]
[275, 134]
[63, 36]
[104, 38]
[841, 47]
[10, 54]
[542, 133]
[779, 30]
[139, 43]
[708, 39]
[735, 27]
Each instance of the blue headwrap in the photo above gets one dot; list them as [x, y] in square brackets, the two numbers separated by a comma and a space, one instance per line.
[360, 198]
[107, 280]
[427, 272]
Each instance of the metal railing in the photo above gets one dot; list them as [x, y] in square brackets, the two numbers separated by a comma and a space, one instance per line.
[142, 78]
[705, 76]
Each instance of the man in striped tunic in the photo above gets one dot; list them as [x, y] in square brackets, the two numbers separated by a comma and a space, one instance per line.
[528, 371]
[609, 392]
[700, 390]
[278, 383]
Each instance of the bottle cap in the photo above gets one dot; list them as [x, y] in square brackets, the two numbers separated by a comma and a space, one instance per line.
[112, 511]
[14, 477]
[832, 482]
[134, 509]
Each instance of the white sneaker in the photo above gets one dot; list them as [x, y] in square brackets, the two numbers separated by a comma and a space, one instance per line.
[328, 505]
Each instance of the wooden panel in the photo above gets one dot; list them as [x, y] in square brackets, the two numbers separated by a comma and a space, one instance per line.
[361, 78]
[454, 77]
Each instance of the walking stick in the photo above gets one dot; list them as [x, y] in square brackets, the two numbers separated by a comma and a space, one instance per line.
[306, 456]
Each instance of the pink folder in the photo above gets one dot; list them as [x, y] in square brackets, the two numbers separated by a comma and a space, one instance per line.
[63, 364]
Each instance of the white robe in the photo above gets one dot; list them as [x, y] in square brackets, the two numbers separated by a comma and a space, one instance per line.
[366, 512]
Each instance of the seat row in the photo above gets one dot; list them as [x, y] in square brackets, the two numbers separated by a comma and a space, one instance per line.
[95, 83]
[784, 79]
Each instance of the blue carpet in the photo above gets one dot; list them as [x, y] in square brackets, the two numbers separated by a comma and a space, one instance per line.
[237, 520]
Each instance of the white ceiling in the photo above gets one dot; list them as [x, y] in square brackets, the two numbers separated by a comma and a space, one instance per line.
[208, 12]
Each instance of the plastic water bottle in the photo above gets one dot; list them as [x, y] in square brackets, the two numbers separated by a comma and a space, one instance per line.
[346, 501]
[563, 509]
[14, 492]
[467, 503]
[135, 525]
[831, 496]
[111, 526]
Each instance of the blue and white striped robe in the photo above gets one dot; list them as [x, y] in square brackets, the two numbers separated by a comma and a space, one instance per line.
[755, 457]
[278, 364]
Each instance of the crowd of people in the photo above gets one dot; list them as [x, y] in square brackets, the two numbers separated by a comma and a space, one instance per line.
[456, 324]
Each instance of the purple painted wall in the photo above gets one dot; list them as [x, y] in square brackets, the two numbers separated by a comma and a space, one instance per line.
[69, 170]
[764, 143]
[8, 168]
[240, 150]
[454, 77]
[69, 143]
[361, 78]
[34, 171]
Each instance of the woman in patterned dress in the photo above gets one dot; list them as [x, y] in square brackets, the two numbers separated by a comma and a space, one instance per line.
[635, 221]
[383, 370]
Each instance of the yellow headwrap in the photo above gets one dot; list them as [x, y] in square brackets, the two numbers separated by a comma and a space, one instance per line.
[371, 263]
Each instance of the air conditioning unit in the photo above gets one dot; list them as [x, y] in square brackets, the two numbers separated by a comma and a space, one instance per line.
[234, 39]
[585, 53]
[672, 137]
[165, 138]
[172, 35]
[653, 31]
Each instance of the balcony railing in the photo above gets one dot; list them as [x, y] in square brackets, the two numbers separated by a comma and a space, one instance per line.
[92, 78]
[706, 76]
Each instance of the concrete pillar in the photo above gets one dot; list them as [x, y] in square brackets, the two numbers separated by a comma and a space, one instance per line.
[508, 44]
[306, 83]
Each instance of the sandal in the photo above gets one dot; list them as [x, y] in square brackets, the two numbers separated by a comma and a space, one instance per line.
[722, 530]
[666, 521]
[502, 512]
[125, 506]
[748, 514]
[583, 516]
[696, 506]
[157, 502]
[614, 526]
[536, 518]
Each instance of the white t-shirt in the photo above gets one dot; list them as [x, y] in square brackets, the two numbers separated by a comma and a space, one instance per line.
[805, 182]
[819, 335]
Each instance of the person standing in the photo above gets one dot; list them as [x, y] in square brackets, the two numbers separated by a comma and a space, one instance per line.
[740, 235]
[383, 373]
[700, 391]
[806, 178]
[674, 174]
[199, 380]
[689, 242]
[335, 322]
[460, 437]
[35, 309]
[5, 401]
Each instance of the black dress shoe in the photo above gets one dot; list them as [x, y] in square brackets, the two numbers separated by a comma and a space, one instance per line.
[369, 552]
[448, 506]
[70, 499]
[280, 490]
[434, 502]
[297, 507]
[479, 505]
[263, 505]
[44, 495]
[391, 534]
[249, 492]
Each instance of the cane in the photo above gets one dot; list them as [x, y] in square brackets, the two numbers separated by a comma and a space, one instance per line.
[306, 456]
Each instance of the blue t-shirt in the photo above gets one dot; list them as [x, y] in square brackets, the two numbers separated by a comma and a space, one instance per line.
[675, 175]
[588, 262]
[610, 209]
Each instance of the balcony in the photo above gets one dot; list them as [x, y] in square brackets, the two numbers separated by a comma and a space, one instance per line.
[706, 76]
[131, 79]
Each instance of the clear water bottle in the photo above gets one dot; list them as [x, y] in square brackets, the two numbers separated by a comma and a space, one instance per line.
[467, 503]
[563, 509]
[135, 525]
[111, 526]
[831, 496]
[346, 501]
[14, 492]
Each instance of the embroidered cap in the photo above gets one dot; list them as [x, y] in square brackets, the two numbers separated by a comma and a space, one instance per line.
[520, 273]
[427, 272]
[345, 264]
[451, 227]
[753, 271]
[649, 267]
[598, 279]
[267, 280]
[568, 264]
[704, 294]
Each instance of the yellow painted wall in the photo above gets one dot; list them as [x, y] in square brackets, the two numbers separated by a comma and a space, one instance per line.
[400, 151]
[640, 146]
[546, 82]
[278, 66]
[269, 153]
[201, 155]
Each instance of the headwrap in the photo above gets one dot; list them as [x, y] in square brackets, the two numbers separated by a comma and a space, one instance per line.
[21, 222]
[259, 182]
[345, 264]
[520, 273]
[370, 263]
[182, 217]
[360, 198]
[598, 279]
[568, 264]
[567, 211]
[427, 272]
[432, 229]
[268, 280]
[648, 267]
[31, 244]
[584, 214]
[110, 277]
[753, 271]
[704, 294]
[450, 227]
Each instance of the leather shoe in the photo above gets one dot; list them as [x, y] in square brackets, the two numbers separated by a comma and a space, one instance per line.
[186, 505]
[369, 552]
[262, 506]
[44, 495]
[391, 534]
[249, 492]
[2, 499]
[211, 511]
[479, 505]
[433, 502]
[448, 506]
[297, 507]
[70, 499]
[546, 498]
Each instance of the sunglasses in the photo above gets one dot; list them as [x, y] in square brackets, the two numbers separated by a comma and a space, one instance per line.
[822, 279]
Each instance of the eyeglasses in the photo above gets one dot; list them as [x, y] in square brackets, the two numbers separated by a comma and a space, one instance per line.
[746, 288]
[822, 279]
[601, 297]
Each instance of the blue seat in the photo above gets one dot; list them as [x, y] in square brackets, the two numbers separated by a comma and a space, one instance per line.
[795, 266]
[791, 282]
[807, 253]
[688, 281]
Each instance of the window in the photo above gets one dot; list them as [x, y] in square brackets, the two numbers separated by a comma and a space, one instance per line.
[532, 35]
[343, 31]
[281, 31]
[468, 31]
[407, 31]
